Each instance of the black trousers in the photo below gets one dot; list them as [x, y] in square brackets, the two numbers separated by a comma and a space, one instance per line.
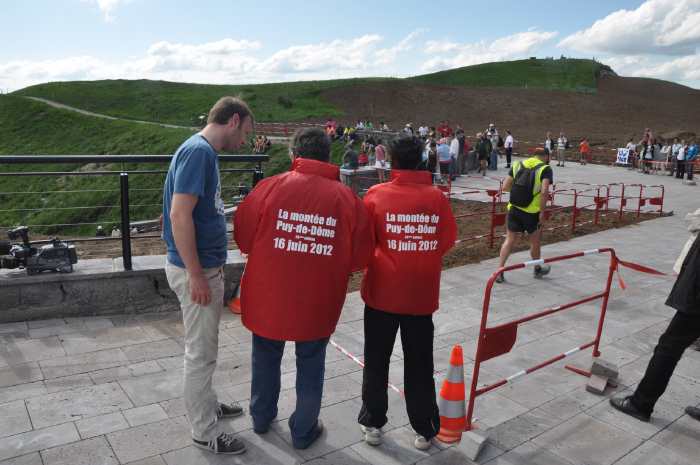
[419, 385]
[680, 170]
[683, 330]
[509, 155]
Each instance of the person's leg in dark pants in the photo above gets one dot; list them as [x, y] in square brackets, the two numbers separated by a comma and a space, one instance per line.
[689, 170]
[683, 330]
[509, 155]
[680, 172]
[380, 333]
[419, 384]
[311, 362]
[265, 385]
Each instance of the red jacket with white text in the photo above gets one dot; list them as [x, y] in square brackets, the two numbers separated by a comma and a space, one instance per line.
[305, 232]
[413, 228]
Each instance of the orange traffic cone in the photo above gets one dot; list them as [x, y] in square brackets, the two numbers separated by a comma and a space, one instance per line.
[235, 303]
[453, 411]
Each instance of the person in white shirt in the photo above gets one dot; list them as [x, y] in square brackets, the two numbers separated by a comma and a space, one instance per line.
[549, 144]
[508, 145]
[561, 149]
[632, 153]
[675, 148]
[454, 155]
[680, 160]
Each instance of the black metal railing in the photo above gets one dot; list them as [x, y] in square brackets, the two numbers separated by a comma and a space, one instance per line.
[125, 221]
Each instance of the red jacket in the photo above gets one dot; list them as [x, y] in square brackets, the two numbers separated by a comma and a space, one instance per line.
[413, 228]
[305, 232]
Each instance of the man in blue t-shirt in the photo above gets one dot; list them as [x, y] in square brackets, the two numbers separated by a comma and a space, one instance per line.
[194, 230]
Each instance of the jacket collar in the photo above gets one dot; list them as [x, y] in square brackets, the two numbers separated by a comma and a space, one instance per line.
[319, 168]
[412, 176]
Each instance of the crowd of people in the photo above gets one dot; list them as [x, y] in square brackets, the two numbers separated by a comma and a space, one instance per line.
[677, 157]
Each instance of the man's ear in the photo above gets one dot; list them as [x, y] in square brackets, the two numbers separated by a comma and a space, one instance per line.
[235, 121]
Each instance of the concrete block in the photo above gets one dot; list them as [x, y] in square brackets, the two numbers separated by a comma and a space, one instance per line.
[102, 424]
[95, 451]
[472, 444]
[596, 384]
[604, 369]
[14, 419]
[152, 439]
[33, 441]
[143, 415]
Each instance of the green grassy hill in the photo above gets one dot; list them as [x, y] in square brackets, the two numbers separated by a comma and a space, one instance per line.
[182, 104]
[564, 74]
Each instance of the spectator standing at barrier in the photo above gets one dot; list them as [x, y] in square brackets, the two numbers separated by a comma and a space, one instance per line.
[351, 160]
[508, 145]
[549, 144]
[432, 158]
[414, 265]
[294, 285]
[690, 157]
[467, 154]
[682, 331]
[380, 160]
[631, 154]
[483, 150]
[444, 157]
[528, 183]
[454, 157]
[584, 150]
[675, 148]
[680, 158]
[194, 230]
[562, 145]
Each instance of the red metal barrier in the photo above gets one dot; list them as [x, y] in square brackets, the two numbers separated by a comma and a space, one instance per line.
[500, 339]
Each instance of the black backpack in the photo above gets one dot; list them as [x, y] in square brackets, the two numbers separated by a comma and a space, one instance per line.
[500, 141]
[521, 194]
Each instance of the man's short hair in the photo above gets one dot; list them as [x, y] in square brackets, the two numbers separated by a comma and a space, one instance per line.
[225, 108]
[406, 152]
[311, 143]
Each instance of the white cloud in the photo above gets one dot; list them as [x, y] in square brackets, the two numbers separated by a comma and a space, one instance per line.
[685, 70]
[448, 54]
[668, 27]
[387, 56]
[107, 7]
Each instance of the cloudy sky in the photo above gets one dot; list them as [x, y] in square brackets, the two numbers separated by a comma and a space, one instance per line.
[229, 41]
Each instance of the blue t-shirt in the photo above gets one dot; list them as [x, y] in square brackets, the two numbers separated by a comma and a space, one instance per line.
[194, 170]
[443, 153]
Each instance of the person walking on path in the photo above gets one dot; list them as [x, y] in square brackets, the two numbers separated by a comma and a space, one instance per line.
[508, 145]
[304, 233]
[194, 230]
[412, 262]
[681, 333]
[528, 183]
[483, 151]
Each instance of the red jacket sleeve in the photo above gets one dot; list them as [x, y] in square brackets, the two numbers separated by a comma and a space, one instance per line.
[248, 214]
[449, 227]
[362, 237]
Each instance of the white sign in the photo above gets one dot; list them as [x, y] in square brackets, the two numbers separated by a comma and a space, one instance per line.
[623, 156]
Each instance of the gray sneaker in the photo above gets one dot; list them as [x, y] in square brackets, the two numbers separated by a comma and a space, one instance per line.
[229, 411]
[225, 443]
[541, 271]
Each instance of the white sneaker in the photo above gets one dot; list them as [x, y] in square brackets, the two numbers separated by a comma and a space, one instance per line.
[373, 436]
[421, 443]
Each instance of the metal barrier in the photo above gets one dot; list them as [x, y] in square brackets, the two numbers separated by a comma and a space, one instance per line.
[499, 340]
[125, 206]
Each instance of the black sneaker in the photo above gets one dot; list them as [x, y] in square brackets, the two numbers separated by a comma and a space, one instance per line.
[229, 411]
[624, 405]
[693, 412]
[500, 279]
[541, 271]
[318, 429]
[225, 443]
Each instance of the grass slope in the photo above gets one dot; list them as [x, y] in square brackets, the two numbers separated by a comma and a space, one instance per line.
[564, 74]
[182, 104]
[28, 127]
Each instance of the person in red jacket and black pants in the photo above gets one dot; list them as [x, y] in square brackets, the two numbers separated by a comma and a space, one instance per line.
[413, 227]
[304, 233]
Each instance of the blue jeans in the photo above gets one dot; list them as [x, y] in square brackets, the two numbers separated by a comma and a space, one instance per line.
[493, 160]
[265, 386]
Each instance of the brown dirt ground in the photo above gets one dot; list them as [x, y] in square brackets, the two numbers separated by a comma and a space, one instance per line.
[621, 108]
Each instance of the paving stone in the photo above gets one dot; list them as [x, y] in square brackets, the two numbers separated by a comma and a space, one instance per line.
[60, 407]
[84, 363]
[147, 414]
[68, 382]
[530, 454]
[33, 324]
[19, 327]
[156, 460]
[14, 418]
[583, 439]
[153, 388]
[102, 339]
[93, 451]
[30, 350]
[174, 407]
[268, 449]
[664, 414]
[30, 459]
[102, 424]
[61, 329]
[396, 449]
[20, 374]
[516, 431]
[134, 370]
[22, 391]
[493, 409]
[453, 456]
[33, 441]
[151, 439]
[345, 456]
[651, 453]
[682, 437]
[153, 350]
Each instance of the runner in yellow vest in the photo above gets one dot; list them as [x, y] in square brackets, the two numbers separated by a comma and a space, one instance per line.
[528, 219]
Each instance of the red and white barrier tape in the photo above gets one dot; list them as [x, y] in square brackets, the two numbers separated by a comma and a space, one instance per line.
[360, 362]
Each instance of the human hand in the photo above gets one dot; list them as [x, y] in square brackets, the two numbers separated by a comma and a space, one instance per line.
[199, 289]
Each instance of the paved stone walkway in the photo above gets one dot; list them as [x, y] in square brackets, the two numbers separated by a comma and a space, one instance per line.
[108, 390]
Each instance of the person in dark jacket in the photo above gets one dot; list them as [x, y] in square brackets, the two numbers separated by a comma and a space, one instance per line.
[483, 150]
[682, 331]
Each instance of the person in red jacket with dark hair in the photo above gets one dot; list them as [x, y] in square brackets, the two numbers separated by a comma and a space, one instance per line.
[413, 228]
[304, 233]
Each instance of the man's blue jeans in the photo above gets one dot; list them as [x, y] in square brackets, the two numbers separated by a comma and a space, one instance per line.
[265, 386]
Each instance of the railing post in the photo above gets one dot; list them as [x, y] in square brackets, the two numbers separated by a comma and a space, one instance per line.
[597, 206]
[574, 211]
[623, 201]
[493, 221]
[639, 204]
[257, 174]
[126, 223]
